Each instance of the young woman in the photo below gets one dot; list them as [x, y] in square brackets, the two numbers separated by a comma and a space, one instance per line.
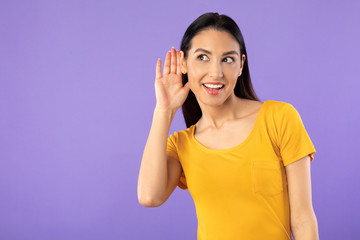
[245, 162]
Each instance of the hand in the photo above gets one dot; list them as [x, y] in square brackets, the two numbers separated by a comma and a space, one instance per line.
[169, 90]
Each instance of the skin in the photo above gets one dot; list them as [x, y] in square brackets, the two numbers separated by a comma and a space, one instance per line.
[227, 120]
[202, 67]
[303, 220]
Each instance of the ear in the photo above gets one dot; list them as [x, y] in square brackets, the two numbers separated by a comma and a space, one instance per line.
[183, 63]
[242, 64]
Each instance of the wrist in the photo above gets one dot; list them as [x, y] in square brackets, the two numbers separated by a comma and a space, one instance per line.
[162, 110]
[163, 117]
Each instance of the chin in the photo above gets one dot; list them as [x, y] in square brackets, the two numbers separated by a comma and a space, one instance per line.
[212, 102]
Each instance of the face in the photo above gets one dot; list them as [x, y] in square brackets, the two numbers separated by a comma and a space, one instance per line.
[213, 65]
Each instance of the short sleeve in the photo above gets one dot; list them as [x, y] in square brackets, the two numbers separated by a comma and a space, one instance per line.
[295, 142]
[171, 151]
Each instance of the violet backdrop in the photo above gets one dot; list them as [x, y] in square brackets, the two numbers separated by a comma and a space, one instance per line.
[77, 97]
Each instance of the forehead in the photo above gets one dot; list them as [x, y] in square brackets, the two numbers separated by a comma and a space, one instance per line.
[215, 41]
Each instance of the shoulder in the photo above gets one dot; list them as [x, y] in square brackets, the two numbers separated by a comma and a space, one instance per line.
[280, 110]
[280, 114]
[181, 135]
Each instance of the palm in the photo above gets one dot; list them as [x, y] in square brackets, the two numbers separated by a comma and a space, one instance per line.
[170, 92]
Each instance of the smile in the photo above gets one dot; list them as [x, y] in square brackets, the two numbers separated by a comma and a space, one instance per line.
[213, 89]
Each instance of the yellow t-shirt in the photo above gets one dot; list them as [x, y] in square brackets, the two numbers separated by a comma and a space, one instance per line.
[241, 192]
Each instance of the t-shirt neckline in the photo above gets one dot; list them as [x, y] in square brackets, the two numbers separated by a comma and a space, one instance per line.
[252, 132]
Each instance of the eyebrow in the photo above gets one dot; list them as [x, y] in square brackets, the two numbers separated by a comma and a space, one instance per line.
[208, 52]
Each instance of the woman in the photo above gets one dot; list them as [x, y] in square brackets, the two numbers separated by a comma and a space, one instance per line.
[245, 162]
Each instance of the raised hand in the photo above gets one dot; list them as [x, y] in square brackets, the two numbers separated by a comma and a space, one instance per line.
[169, 90]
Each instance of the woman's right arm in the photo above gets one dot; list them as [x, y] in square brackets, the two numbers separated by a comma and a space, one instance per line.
[155, 173]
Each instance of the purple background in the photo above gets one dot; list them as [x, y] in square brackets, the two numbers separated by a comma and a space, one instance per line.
[77, 97]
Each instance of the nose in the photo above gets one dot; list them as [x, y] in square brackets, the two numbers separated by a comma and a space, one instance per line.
[216, 70]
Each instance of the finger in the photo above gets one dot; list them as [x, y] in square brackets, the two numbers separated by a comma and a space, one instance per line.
[167, 64]
[158, 69]
[178, 70]
[173, 61]
[181, 59]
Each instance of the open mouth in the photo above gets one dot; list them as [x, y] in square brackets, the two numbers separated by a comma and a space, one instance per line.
[213, 89]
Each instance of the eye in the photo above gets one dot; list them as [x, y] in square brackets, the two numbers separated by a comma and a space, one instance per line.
[202, 57]
[229, 59]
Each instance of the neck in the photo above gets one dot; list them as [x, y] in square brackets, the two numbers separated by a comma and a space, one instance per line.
[216, 116]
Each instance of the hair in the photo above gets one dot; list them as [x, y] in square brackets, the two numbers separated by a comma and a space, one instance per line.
[243, 88]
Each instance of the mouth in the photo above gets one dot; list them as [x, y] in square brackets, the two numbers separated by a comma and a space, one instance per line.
[213, 86]
[213, 89]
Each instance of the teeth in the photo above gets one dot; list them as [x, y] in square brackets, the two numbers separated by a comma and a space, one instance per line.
[213, 86]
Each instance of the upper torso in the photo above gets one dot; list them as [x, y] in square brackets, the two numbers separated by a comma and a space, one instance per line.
[239, 186]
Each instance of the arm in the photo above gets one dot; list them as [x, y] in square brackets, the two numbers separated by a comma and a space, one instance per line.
[153, 175]
[303, 220]
[154, 183]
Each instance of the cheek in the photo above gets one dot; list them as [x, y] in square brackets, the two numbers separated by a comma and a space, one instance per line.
[232, 72]
[196, 72]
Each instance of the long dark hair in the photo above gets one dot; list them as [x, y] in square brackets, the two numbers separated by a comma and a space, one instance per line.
[243, 88]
